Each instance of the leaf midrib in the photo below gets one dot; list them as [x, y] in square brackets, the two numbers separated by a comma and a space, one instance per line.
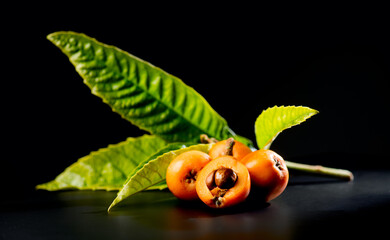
[132, 57]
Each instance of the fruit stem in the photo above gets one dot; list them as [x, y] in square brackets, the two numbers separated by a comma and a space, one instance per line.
[229, 146]
[313, 169]
[321, 170]
[205, 139]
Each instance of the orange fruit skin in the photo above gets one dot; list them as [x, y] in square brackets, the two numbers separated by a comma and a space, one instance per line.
[179, 170]
[237, 194]
[268, 172]
[240, 150]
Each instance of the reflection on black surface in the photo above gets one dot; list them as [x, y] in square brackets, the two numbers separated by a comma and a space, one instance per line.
[310, 207]
[162, 211]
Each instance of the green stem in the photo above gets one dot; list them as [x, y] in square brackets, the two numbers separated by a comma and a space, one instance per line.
[321, 170]
[313, 169]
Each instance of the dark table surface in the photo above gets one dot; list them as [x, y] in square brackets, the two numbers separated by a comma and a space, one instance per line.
[311, 207]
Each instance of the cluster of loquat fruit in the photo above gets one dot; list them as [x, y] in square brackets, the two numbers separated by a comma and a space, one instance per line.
[224, 176]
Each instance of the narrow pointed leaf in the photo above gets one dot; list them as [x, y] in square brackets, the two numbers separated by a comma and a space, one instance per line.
[168, 148]
[107, 168]
[152, 173]
[273, 121]
[143, 94]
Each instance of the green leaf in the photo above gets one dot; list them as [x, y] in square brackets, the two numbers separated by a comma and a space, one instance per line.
[245, 141]
[152, 173]
[168, 148]
[107, 168]
[273, 121]
[159, 186]
[143, 94]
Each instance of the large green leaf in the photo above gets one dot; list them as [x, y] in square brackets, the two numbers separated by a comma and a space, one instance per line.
[145, 95]
[108, 168]
[274, 120]
[152, 173]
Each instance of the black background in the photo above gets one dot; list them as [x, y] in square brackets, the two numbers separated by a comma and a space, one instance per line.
[242, 59]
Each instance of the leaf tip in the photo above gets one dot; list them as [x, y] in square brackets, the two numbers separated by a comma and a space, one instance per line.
[44, 186]
[57, 38]
[115, 202]
[109, 208]
[312, 112]
[54, 37]
[51, 36]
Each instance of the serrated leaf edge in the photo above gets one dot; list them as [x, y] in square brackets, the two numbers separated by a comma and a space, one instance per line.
[91, 155]
[119, 199]
[270, 141]
[225, 131]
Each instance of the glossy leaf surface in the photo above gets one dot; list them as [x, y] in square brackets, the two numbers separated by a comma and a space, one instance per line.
[107, 168]
[170, 147]
[145, 95]
[152, 173]
[273, 121]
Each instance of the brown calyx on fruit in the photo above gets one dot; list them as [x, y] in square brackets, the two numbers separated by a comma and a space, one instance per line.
[268, 172]
[218, 197]
[191, 176]
[278, 162]
[182, 173]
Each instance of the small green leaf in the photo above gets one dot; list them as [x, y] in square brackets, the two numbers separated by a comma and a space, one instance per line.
[145, 95]
[152, 173]
[273, 121]
[107, 168]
